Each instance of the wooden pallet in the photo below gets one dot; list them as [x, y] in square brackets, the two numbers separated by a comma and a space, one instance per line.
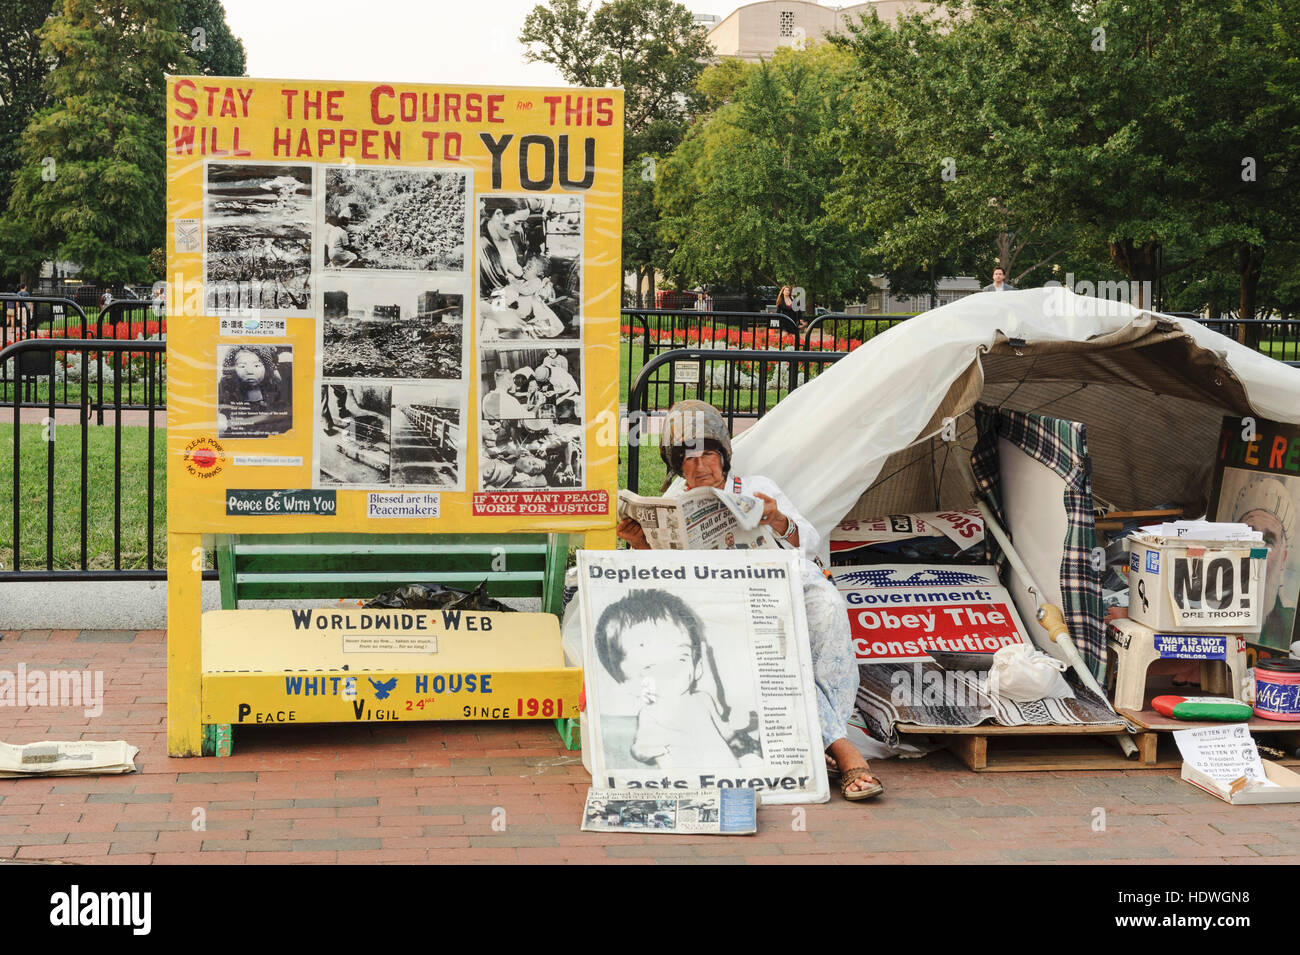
[1157, 737]
[1020, 749]
[1016, 749]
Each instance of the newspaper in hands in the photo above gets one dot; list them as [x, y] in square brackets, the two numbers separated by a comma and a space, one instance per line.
[706, 518]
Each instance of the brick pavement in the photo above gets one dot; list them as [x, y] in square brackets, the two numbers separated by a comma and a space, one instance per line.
[441, 792]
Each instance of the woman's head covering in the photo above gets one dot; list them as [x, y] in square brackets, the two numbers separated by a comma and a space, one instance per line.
[693, 426]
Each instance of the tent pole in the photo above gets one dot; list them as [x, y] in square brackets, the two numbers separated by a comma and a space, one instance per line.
[1049, 615]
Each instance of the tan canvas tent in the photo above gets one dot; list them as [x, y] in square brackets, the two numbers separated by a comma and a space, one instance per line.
[866, 437]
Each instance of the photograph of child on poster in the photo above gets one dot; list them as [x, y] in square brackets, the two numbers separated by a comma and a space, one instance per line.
[255, 390]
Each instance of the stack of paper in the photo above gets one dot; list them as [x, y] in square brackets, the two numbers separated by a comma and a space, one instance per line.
[1223, 753]
[1205, 531]
[67, 759]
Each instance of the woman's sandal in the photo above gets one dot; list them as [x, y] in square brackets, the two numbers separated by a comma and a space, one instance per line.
[849, 777]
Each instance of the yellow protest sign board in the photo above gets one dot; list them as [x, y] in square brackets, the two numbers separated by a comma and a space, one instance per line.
[313, 666]
[392, 307]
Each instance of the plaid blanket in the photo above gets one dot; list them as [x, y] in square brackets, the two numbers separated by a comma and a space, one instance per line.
[1061, 446]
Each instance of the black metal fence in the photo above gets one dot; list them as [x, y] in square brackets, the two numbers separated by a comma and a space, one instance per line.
[40, 444]
[63, 502]
[1277, 338]
[647, 395]
[62, 372]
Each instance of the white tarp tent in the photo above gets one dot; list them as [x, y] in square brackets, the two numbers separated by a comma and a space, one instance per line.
[864, 437]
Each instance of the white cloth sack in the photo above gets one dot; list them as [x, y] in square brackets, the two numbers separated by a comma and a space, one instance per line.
[1022, 674]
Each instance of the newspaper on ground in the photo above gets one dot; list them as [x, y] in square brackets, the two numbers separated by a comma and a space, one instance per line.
[699, 673]
[1224, 762]
[719, 812]
[707, 518]
[48, 758]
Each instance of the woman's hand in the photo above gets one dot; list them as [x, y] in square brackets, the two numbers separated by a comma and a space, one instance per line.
[773, 518]
[632, 532]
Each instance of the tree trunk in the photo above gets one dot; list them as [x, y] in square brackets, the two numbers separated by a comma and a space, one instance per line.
[1004, 241]
[1140, 263]
[1250, 263]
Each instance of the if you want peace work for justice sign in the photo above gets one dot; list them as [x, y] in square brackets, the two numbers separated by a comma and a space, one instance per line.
[386, 122]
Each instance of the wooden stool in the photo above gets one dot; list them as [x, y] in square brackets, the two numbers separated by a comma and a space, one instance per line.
[1135, 647]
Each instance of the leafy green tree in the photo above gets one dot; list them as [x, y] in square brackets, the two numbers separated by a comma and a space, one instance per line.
[217, 51]
[90, 188]
[654, 49]
[743, 197]
[23, 69]
[1039, 132]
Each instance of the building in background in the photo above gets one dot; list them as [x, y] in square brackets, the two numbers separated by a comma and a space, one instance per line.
[757, 29]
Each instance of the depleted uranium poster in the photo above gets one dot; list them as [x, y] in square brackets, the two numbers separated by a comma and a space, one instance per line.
[393, 307]
[699, 673]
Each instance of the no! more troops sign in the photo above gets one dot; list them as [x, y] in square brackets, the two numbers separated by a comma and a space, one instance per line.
[392, 307]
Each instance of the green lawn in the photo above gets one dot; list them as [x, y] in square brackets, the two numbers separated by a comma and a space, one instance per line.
[650, 467]
[133, 393]
[1284, 349]
[32, 502]
[660, 397]
[134, 390]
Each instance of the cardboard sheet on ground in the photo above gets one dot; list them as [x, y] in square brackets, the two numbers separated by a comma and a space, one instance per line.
[1225, 762]
[1223, 753]
[699, 673]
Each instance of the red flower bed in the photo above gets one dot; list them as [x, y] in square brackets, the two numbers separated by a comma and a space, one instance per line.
[114, 330]
[118, 331]
[735, 338]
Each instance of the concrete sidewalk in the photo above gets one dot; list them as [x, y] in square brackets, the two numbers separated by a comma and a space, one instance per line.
[487, 792]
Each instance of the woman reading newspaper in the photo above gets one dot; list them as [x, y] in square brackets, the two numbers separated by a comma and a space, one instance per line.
[696, 446]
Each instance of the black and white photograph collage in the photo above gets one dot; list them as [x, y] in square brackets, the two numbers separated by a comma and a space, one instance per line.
[531, 394]
[392, 348]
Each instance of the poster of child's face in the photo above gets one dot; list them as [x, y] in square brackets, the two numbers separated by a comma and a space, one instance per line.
[254, 390]
[671, 698]
[1270, 504]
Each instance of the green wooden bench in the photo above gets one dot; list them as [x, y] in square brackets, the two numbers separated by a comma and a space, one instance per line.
[342, 566]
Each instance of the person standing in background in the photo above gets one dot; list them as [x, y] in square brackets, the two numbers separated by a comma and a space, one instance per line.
[1000, 283]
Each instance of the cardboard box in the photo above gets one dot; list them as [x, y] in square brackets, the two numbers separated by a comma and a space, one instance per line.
[1287, 790]
[1196, 586]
